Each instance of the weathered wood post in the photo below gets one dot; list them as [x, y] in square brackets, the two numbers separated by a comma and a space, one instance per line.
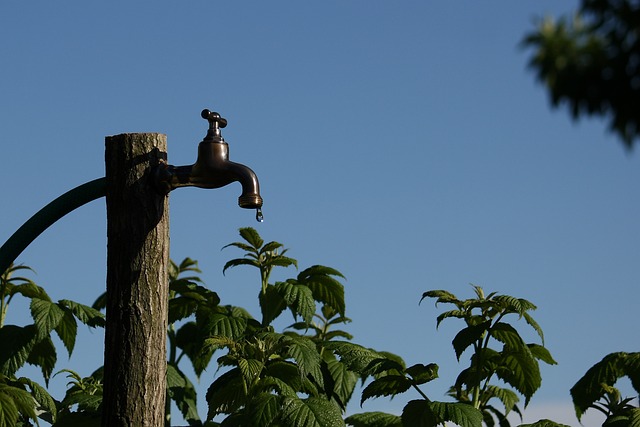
[137, 283]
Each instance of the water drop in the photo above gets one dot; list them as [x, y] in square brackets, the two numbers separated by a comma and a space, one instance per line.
[259, 216]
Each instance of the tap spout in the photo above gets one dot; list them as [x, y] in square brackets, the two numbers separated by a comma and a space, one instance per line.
[212, 168]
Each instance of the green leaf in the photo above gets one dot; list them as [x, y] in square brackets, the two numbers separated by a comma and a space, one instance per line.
[589, 389]
[311, 412]
[85, 314]
[459, 314]
[356, 357]
[389, 385]
[418, 413]
[251, 236]
[541, 353]
[324, 287]
[544, 423]
[29, 289]
[43, 354]
[514, 305]
[508, 335]
[225, 325]
[42, 397]
[240, 261]
[298, 298]
[272, 304]
[189, 339]
[441, 297]
[251, 369]
[507, 397]
[534, 325]
[183, 393]
[226, 394]
[306, 355]
[13, 402]
[461, 414]
[67, 329]
[284, 378]
[46, 315]
[14, 356]
[423, 373]
[468, 336]
[343, 381]
[264, 409]
[520, 370]
[374, 419]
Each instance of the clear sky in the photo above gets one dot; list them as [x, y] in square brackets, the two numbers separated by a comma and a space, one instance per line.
[403, 143]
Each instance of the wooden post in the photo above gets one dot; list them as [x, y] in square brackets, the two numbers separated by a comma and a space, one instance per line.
[137, 283]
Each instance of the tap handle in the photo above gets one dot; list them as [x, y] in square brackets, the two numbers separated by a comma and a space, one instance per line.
[214, 119]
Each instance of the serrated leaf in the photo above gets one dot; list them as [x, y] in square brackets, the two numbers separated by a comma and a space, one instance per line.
[311, 412]
[418, 413]
[298, 298]
[544, 423]
[264, 409]
[541, 353]
[46, 316]
[240, 261]
[43, 354]
[468, 336]
[324, 287]
[389, 385]
[14, 356]
[514, 305]
[183, 393]
[343, 381]
[67, 331]
[13, 402]
[225, 325]
[589, 389]
[520, 370]
[507, 397]
[462, 414]
[356, 357]
[306, 355]
[29, 289]
[42, 397]
[508, 335]
[251, 236]
[85, 314]
[459, 314]
[190, 340]
[423, 373]
[374, 419]
[272, 304]
[534, 325]
[226, 394]
[441, 296]
[251, 369]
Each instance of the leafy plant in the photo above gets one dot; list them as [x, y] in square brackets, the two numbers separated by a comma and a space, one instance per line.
[515, 362]
[282, 378]
[596, 389]
[33, 344]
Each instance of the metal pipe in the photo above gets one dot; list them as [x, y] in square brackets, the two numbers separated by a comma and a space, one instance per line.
[46, 216]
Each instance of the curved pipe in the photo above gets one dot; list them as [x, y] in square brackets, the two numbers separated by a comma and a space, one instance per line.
[212, 169]
[45, 217]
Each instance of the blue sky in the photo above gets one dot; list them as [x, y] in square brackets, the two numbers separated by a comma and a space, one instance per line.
[405, 144]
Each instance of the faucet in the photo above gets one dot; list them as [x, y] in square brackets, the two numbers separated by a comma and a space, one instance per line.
[212, 168]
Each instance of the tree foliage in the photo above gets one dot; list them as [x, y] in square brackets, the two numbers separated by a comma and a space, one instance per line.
[591, 62]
